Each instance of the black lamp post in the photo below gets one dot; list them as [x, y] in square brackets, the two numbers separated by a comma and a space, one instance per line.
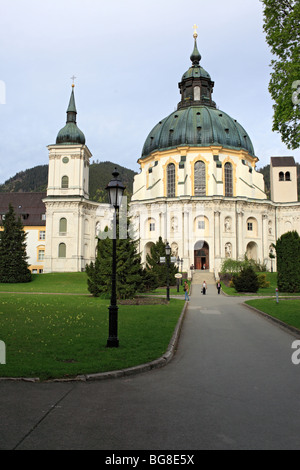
[168, 252]
[178, 263]
[181, 262]
[272, 256]
[115, 189]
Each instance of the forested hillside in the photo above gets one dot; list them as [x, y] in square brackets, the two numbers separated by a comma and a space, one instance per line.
[36, 180]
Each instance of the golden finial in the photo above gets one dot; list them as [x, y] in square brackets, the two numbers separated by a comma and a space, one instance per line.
[195, 31]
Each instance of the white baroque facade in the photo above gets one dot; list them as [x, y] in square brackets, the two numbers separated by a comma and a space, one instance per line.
[198, 189]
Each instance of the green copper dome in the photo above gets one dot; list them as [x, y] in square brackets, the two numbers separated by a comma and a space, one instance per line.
[197, 126]
[71, 134]
[195, 72]
[197, 122]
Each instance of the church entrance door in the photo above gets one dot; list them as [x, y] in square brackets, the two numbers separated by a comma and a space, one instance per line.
[201, 255]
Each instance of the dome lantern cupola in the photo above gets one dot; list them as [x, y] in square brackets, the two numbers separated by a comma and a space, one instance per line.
[196, 86]
[197, 122]
[71, 134]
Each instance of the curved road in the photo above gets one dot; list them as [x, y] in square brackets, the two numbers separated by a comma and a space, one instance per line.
[231, 385]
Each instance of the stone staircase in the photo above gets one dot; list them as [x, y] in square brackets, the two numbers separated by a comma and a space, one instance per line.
[201, 275]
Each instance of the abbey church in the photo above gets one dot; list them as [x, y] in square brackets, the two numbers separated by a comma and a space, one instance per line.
[197, 188]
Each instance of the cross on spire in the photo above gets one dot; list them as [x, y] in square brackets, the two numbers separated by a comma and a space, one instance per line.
[73, 78]
[195, 31]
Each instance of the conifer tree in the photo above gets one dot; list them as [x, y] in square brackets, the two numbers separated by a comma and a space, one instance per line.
[246, 280]
[157, 251]
[128, 269]
[13, 257]
[99, 273]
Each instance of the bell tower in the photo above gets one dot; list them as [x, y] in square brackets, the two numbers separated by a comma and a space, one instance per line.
[283, 179]
[69, 159]
[70, 216]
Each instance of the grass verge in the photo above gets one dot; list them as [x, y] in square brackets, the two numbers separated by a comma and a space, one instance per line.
[286, 310]
[52, 336]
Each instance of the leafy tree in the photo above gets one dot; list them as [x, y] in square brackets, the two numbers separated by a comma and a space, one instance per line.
[230, 265]
[13, 257]
[288, 262]
[128, 268]
[157, 251]
[246, 280]
[281, 25]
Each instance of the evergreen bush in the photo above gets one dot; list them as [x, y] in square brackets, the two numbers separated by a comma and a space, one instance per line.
[246, 280]
[288, 262]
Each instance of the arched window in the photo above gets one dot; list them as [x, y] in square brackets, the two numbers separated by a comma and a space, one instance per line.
[228, 179]
[171, 180]
[287, 176]
[281, 176]
[63, 225]
[199, 179]
[197, 93]
[65, 182]
[62, 250]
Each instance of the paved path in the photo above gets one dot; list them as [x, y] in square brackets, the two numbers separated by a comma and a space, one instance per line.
[231, 385]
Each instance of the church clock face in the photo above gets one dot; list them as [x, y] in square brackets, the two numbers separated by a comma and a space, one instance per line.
[65, 160]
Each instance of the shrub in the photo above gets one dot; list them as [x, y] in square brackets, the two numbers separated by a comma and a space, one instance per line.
[288, 262]
[246, 280]
[231, 266]
[262, 280]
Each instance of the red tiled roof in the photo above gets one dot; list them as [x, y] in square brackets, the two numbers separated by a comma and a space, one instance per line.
[29, 206]
[283, 161]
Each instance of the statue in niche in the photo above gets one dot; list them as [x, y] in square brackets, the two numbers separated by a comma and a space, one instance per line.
[174, 248]
[98, 228]
[174, 224]
[227, 224]
[270, 227]
[228, 250]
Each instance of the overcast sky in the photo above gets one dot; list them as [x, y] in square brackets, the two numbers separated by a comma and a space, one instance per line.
[128, 57]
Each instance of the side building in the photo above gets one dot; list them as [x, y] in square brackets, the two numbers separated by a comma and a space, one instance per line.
[32, 211]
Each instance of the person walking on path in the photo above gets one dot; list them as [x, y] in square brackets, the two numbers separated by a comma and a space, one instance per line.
[218, 286]
[186, 291]
[204, 288]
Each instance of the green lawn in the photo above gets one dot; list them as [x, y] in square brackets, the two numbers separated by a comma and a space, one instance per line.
[75, 283]
[49, 336]
[286, 310]
[67, 283]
